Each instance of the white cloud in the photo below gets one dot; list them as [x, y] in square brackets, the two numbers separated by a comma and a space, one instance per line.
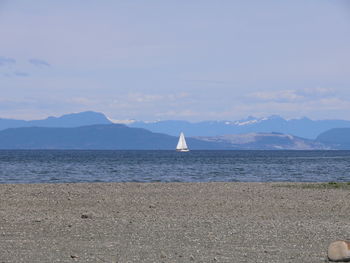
[178, 114]
[83, 101]
[316, 92]
[319, 108]
[148, 98]
[281, 95]
[293, 95]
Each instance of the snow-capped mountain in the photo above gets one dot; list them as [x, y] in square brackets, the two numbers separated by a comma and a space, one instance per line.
[303, 127]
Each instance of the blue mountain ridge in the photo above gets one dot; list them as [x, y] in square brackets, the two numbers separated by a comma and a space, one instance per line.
[304, 127]
[257, 129]
[121, 137]
[68, 120]
[99, 137]
[338, 138]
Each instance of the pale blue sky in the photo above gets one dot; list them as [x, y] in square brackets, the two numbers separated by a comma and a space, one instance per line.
[191, 60]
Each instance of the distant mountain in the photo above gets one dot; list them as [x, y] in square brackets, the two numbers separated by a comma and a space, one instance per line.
[69, 120]
[304, 127]
[121, 137]
[112, 136]
[266, 141]
[339, 138]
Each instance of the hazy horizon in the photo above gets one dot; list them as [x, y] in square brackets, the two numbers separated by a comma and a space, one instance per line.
[126, 121]
[175, 60]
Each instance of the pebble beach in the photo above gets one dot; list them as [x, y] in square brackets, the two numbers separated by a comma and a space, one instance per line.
[171, 222]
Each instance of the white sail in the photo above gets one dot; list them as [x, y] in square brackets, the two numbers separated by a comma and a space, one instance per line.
[181, 145]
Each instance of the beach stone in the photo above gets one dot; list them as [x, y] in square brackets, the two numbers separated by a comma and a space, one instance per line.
[339, 251]
[87, 216]
[163, 254]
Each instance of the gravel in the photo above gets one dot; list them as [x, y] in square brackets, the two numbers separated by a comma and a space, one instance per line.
[170, 222]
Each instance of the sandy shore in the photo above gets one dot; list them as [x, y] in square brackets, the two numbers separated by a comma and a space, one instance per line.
[170, 222]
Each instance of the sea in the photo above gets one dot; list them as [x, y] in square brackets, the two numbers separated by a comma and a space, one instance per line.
[73, 166]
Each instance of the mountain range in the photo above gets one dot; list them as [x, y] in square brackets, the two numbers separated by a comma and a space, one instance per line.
[92, 130]
[121, 137]
[102, 137]
[338, 138]
[304, 127]
[68, 120]
[267, 141]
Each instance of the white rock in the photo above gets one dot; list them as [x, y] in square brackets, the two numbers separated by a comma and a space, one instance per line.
[339, 251]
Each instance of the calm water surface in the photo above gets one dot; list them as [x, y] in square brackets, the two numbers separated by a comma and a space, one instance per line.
[51, 166]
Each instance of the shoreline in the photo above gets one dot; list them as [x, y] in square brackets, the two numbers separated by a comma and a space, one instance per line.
[171, 222]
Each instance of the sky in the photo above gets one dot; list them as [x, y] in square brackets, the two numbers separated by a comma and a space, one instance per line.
[189, 60]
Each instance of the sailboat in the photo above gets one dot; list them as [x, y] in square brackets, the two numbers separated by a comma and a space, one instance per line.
[181, 145]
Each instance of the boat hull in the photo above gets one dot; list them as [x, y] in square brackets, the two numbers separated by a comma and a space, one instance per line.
[182, 150]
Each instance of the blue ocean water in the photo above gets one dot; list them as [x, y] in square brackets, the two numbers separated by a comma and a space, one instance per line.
[61, 166]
